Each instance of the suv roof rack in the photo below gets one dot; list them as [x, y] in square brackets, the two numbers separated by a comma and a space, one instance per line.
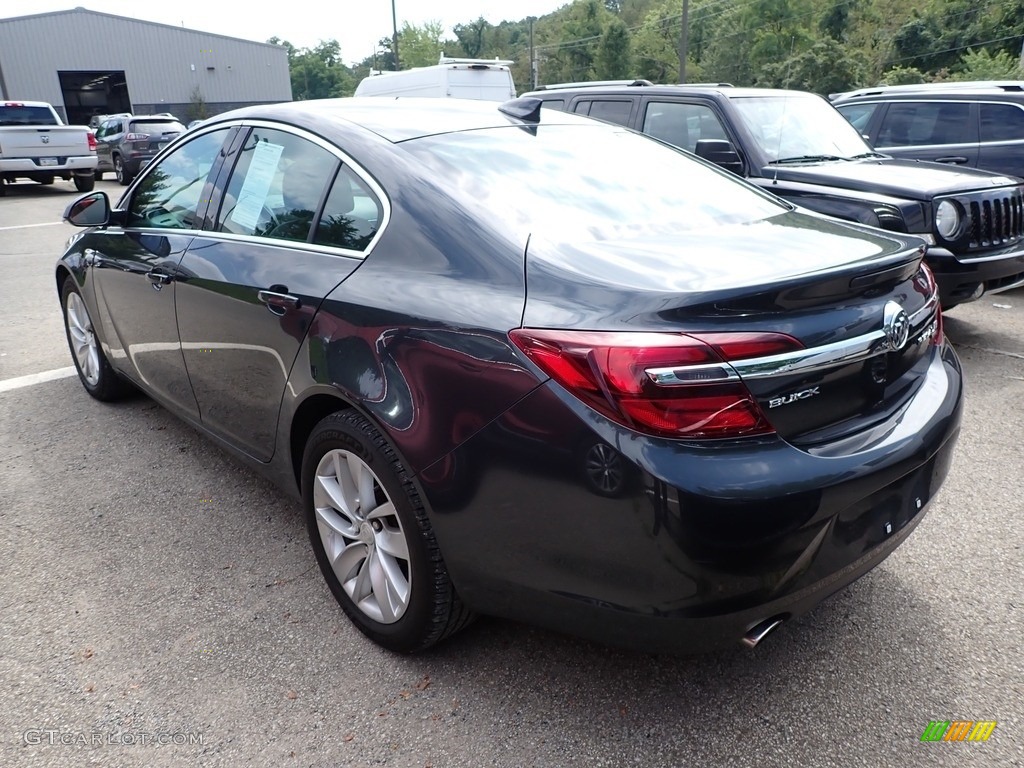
[479, 62]
[707, 85]
[593, 84]
[951, 85]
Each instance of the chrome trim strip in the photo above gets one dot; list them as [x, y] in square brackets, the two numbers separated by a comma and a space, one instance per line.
[668, 377]
[801, 361]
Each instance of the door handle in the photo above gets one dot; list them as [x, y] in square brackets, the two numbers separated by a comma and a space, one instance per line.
[954, 160]
[158, 279]
[279, 302]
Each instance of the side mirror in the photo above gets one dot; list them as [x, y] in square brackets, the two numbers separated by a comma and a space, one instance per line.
[92, 210]
[721, 153]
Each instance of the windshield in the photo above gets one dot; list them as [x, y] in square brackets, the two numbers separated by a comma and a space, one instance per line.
[22, 115]
[790, 128]
[156, 126]
[588, 182]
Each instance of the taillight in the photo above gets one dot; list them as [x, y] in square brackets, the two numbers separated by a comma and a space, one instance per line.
[665, 384]
[932, 288]
[137, 137]
[92, 141]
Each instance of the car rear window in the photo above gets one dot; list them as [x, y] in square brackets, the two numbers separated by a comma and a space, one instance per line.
[22, 115]
[155, 126]
[588, 182]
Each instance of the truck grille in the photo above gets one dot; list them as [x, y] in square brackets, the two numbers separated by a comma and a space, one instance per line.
[996, 219]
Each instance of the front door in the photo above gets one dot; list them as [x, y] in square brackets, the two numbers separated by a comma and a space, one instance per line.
[136, 268]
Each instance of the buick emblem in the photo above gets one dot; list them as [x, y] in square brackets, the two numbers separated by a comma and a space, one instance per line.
[896, 325]
[45, 139]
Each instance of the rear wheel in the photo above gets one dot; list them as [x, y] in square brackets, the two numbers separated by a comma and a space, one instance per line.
[46, 181]
[372, 537]
[95, 373]
[85, 183]
[120, 172]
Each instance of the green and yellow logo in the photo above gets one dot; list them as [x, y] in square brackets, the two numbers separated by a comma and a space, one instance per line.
[958, 730]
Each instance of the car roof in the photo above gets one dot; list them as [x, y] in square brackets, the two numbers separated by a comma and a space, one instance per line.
[397, 119]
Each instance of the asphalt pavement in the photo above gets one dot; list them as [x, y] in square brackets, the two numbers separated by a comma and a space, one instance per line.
[160, 605]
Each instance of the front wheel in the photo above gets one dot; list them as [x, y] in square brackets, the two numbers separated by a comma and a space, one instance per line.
[85, 183]
[372, 537]
[95, 373]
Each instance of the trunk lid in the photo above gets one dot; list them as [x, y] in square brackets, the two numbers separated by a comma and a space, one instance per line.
[844, 292]
[43, 141]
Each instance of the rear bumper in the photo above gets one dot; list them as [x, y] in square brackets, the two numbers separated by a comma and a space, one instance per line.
[966, 279]
[26, 167]
[701, 542]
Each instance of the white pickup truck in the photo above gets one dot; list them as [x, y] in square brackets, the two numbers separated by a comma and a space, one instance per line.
[36, 145]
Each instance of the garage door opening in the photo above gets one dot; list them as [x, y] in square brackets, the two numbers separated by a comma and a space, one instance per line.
[93, 93]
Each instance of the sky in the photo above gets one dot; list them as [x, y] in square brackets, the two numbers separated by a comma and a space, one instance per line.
[356, 24]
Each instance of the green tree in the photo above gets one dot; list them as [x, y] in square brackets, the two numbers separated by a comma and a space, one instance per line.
[826, 67]
[471, 37]
[420, 46]
[984, 65]
[613, 58]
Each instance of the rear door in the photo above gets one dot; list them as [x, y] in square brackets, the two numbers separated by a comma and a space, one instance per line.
[941, 131]
[1002, 138]
[295, 219]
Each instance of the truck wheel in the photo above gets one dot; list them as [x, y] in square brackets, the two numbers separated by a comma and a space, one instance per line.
[46, 181]
[84, 183]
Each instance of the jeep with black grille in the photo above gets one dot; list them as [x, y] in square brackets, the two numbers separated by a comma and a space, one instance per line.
[797, 146]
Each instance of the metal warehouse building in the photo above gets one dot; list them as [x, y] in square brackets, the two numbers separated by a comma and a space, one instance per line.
[87, 63]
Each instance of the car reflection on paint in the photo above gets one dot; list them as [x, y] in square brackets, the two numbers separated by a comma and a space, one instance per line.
[525, 365]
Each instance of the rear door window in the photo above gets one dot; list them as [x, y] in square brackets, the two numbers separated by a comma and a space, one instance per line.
[611, 111]
[922, 123]
[277, 187]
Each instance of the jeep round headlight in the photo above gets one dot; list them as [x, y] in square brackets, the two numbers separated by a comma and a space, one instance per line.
[948, 220]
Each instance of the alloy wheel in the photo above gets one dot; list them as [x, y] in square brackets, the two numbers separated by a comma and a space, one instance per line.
[604, 468]
[83, 339]
[362, 536]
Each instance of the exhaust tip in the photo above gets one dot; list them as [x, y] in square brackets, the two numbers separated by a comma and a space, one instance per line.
[760, 631]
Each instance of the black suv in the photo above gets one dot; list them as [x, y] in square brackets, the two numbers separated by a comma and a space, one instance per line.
[797, 146]
[980, 125]
[125, 143]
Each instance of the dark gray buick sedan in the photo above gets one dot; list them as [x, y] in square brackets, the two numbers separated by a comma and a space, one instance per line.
[525, 364]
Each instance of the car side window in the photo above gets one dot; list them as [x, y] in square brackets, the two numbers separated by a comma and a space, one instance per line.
[611, 111]
[682, 125]
[859, 115]
[168, 197]
[351, 214]
[923, 123]
[1002, 122]
[277, 186]
[558, 104]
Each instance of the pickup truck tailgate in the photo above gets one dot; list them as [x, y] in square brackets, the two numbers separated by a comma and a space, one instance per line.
[48, 141]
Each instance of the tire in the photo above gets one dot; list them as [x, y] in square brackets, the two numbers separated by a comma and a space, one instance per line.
[46, 181]
[121, 172]
[94, 371]
[84, 183]
[97, 175]
[383, 565]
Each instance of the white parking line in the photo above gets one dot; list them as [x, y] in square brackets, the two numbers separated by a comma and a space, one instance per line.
[28, 226]
[36, 378]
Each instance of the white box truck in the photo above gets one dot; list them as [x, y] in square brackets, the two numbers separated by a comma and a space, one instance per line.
[481, 79]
